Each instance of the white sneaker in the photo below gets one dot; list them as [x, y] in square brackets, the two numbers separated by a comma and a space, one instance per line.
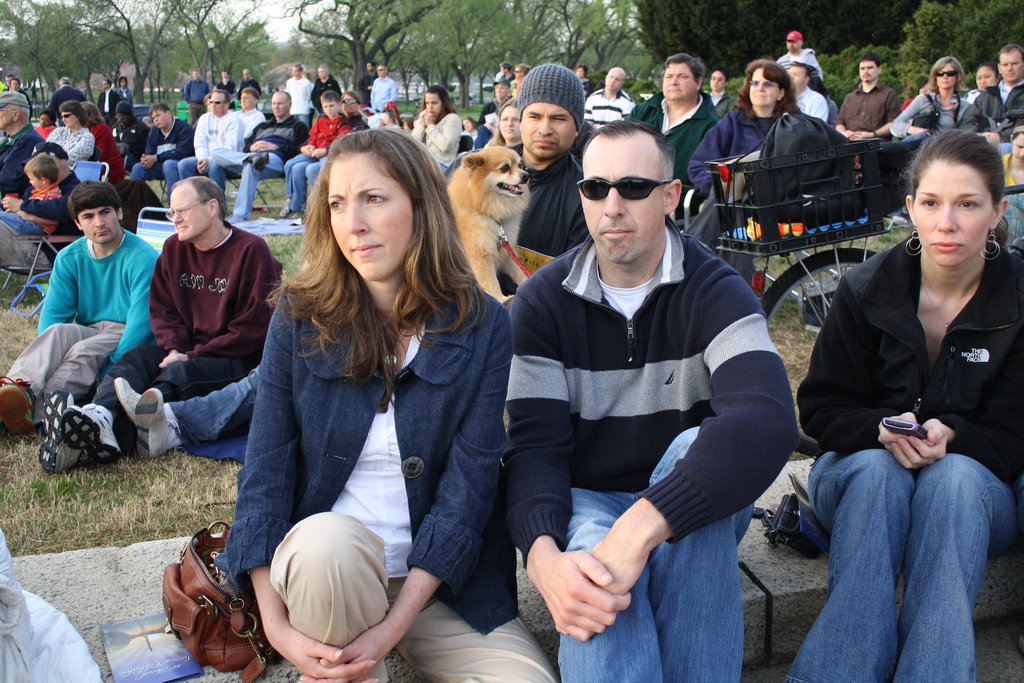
[151, 422]
[127, 396]
[90, 428]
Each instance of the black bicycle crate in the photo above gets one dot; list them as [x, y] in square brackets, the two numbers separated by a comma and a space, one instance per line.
[786, 203]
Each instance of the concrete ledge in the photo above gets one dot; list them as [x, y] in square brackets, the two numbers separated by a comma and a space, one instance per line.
[796, 585]
[107, 584]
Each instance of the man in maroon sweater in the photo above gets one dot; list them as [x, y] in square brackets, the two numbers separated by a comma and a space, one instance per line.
[209, 313]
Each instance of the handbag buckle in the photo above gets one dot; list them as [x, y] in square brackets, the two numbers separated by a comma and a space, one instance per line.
[206, 604]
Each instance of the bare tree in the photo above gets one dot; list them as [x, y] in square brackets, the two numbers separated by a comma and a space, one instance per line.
[143, 28]
[370, 30]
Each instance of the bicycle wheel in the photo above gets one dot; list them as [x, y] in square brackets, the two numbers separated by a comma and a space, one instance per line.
[806, 287]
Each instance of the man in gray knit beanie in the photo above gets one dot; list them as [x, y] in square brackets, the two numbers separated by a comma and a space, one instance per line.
[550, 103]
[554, 84]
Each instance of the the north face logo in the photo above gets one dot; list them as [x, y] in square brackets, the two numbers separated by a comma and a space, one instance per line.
[976, 355]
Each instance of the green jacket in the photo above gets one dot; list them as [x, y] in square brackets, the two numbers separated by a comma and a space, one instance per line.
[686, 136]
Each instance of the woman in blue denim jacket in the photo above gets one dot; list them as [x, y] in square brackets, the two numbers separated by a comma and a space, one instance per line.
[366, 515]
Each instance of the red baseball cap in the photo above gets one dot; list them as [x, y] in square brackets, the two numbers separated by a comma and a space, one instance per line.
[794, 35]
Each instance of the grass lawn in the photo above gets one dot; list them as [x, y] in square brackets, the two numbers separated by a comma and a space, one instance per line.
[129, 501]
[135, 500]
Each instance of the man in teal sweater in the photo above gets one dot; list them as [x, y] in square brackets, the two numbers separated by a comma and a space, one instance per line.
[680, 111]
[96, 308]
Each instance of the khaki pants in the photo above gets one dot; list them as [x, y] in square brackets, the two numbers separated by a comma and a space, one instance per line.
[67, 356]
[16, 252]
[329, 570]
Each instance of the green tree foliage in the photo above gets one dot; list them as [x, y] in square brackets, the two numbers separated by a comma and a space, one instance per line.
[458, 37]
[47, 42]
[842, 71]
[733, 32]
[971, 30]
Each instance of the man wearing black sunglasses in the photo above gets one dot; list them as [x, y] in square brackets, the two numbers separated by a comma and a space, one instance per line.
[648, 409]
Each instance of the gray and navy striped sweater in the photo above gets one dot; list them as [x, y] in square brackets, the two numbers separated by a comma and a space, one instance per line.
[595, 399]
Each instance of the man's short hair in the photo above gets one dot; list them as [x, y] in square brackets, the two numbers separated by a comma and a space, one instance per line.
[282, 92]
[222, 91]
[15, 79]
[330, 96]
[64, 80]
[43, 166]
[1011, 46]
[626, 128]
[159, 106]
[250, 91]
[696, 66]
[92, 194]
[206, 190]
[723, 70]
[299, 66]
[808, 69]
[870, 57]
[107, 81]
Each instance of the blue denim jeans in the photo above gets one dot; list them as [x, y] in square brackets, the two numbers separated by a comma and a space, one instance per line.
[939, 524]
[224, 164]
[297, 171]
[20, 225]
[188, 168]
[685, 620]
[219, 414]
[168, 170]
[247, 188]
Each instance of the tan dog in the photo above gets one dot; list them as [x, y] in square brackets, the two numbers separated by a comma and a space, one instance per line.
[489, 193]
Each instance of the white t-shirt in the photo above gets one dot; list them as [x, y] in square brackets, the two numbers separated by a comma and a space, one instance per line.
[375, 491]
[813, 103]
[625, 300]
[300, 90]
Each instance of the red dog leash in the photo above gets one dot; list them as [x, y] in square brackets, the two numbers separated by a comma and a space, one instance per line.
[511, 252]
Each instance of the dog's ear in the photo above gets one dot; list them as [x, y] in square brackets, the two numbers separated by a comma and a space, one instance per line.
[474, 160]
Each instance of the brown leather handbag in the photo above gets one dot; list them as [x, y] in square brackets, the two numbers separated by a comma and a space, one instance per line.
[217, 621]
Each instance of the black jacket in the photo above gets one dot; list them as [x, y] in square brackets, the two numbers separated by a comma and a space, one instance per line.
[133, 136]
[249, 83]
[553, 223]
[871, 361]
[319, 88]
[288, 135]
[988, 112]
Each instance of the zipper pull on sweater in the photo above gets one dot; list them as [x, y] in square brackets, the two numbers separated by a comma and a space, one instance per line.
[629, 340]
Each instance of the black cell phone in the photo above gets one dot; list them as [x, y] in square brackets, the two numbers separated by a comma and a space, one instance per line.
[905, 427]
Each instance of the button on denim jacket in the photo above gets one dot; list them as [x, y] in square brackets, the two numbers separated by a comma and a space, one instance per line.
[309, 427]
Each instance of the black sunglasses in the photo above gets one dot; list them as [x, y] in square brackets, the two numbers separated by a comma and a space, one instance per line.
[628, 188]
[951, 73]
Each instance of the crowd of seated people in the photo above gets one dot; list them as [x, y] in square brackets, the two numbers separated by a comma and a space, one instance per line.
[382, 318]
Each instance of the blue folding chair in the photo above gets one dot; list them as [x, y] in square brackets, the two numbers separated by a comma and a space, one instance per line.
[154, 227]
[37, 283]
[92, 170]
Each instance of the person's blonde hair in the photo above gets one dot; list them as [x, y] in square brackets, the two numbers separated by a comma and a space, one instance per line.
[330, 293]
[43, 166]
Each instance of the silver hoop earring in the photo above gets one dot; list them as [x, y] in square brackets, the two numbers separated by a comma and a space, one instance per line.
[992, 247]
[912, 248]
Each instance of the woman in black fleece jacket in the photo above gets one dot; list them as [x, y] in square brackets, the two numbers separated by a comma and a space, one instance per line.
[931, 332]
